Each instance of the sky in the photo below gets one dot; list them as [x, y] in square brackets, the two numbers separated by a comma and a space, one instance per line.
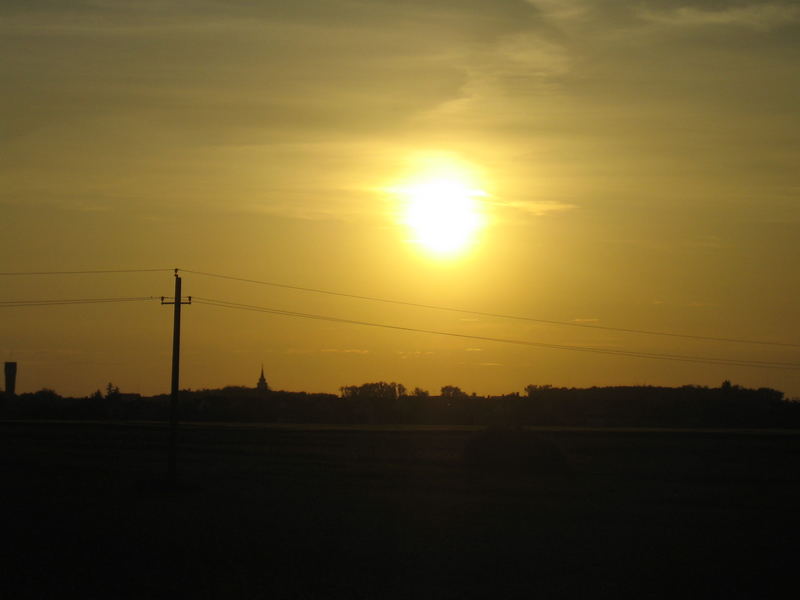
[632, 166]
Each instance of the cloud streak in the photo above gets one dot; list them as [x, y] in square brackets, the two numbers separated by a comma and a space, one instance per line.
[760, 16]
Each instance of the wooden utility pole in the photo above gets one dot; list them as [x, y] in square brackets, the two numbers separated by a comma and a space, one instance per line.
[176, 362]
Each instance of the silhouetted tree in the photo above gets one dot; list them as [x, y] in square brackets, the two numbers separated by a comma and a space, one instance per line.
[112, 391]
[452, 392]
[388, 402]
[377, 402]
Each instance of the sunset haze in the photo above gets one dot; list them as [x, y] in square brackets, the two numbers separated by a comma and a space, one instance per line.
[614, 168]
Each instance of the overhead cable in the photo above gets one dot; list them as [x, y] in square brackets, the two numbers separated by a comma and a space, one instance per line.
[89, 272]
[65, 301]
[495, 315]
[609, 351]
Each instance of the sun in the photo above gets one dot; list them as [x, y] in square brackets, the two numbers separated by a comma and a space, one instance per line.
[443, 213]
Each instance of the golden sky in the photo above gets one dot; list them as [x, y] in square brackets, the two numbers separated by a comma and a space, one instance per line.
[634, 165]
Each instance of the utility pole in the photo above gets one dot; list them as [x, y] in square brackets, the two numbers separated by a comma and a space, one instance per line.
[176, 362]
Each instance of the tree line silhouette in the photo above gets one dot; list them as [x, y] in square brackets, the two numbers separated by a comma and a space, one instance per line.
[392, 403]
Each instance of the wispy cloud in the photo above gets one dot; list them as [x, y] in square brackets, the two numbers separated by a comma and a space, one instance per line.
[761, 15]
[327, 351]
[538, 208]
[701, 304]
[686, 304]
[305, 210]
[710, 242]
[405, 354]
[562, 9]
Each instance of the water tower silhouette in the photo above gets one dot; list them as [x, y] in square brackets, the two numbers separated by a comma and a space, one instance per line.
[11, 378]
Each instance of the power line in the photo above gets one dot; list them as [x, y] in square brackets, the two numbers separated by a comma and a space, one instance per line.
[90, 272]
[392, 301]
[494, 315]
[590, 349]
[61, 302]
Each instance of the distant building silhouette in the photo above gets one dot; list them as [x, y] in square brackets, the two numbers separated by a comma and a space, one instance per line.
[11, 378]
[262, 386]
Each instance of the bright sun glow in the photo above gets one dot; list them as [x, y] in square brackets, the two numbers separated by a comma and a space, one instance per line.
[443, 214]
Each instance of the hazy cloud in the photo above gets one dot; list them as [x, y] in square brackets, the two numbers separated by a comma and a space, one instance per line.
[326, 351]
[405, 354]
[760, 15]
[534, 207]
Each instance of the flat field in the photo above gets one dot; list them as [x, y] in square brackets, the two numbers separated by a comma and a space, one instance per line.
[325, 512]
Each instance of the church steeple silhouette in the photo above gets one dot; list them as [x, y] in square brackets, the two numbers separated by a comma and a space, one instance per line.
[262, 386]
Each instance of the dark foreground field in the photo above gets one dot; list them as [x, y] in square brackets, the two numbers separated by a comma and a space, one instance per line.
[295, 512]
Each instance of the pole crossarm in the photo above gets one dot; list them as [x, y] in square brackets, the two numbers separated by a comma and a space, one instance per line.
[183, 300]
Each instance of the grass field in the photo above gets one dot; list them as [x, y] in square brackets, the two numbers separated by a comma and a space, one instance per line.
[321, 512]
